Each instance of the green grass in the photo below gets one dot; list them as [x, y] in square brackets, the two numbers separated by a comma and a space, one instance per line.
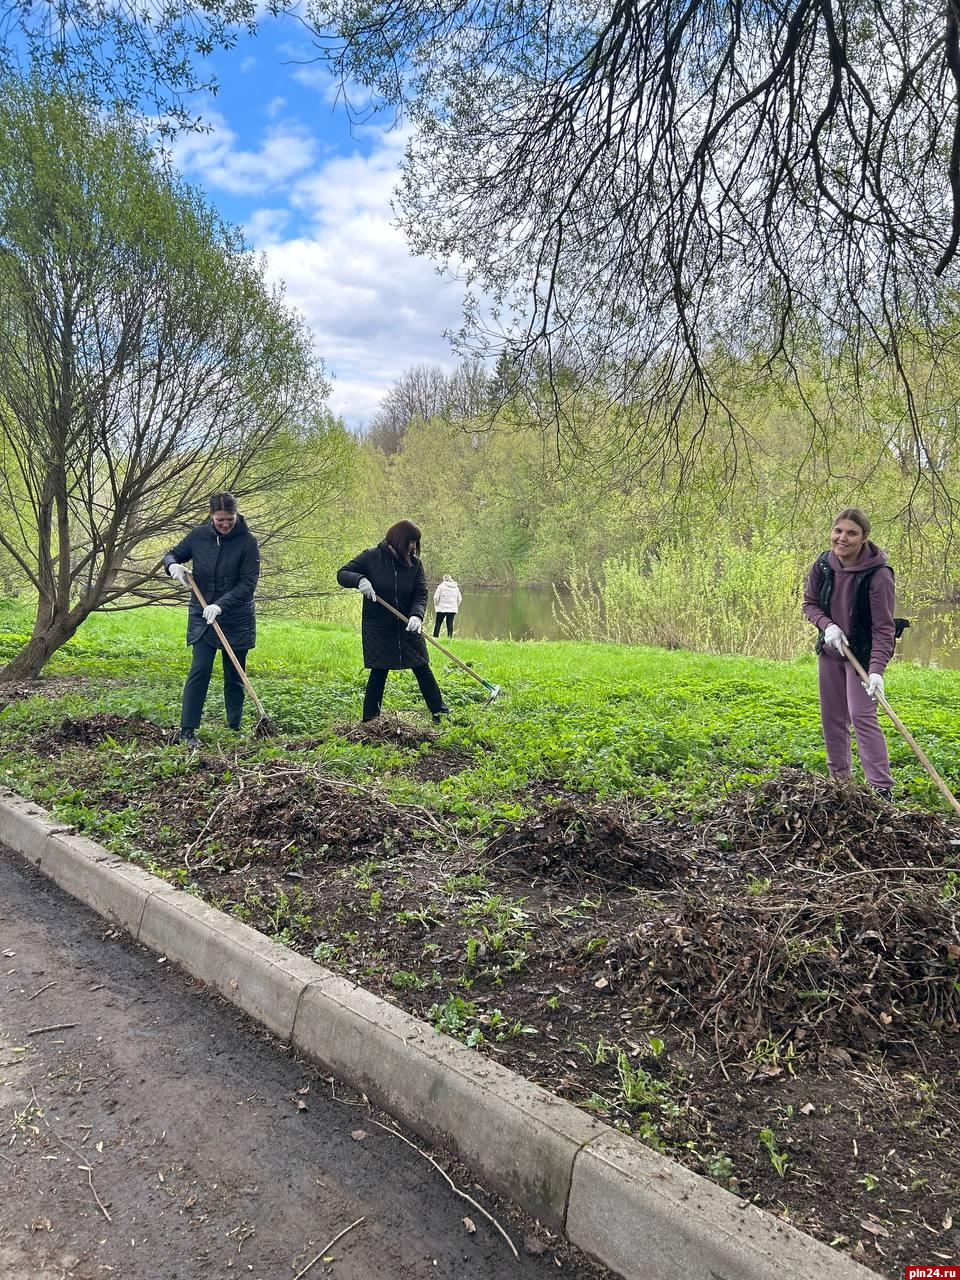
[678, 729]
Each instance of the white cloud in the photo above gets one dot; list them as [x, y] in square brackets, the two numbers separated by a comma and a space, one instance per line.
[313, 73]
[328, 234]
[286, 149]
[374, 308]
[266, 224]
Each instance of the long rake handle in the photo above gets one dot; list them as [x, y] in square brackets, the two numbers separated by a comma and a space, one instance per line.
[908, 736]
[437, 645]
[227, 650]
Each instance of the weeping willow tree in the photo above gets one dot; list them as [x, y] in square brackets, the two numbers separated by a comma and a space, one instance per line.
[639, 191]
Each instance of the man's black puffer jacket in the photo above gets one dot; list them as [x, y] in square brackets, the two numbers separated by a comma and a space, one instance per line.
[386, 642]
[226, 567]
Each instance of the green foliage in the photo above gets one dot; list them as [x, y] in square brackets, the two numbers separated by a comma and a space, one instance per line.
[674, 729]
[327, 953]
[116, 277]
[638, 1088]
[719, 1167]
[139, 58]
[701, 559]
[779, 1159]
[403, 980]
[702, 592]
[464, 1020]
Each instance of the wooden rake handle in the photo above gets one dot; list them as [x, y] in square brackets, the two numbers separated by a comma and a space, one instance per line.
[907, 735]
[437, 645]
[227, 649]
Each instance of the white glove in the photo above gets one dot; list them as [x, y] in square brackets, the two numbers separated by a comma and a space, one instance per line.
[414, 625]
[365, 587]
[873, 685]
[179, 573]
[211, 613]
[834, 636]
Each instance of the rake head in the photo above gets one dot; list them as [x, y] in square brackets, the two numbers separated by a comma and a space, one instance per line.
[266, 728]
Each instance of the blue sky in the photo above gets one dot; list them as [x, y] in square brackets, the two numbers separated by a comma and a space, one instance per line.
[313, 195]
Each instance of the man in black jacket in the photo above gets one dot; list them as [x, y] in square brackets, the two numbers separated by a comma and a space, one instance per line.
[225, 566]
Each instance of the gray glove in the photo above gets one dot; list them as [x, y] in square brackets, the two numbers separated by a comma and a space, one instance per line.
[365, 587]
[179, 573]
[414, 624]
[211, 613]
[834, 636]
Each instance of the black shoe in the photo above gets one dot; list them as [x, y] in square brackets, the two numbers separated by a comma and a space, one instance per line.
[885, 793]
[438, 715]
[188, 738]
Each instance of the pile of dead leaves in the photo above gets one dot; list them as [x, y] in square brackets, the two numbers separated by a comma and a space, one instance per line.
[571, 840]
[388, 728]
[842, 929]
[803, 820]
[277, 814]
[92, 731]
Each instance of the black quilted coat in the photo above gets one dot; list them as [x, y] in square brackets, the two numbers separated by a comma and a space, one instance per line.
[226, 567]
[386, 642]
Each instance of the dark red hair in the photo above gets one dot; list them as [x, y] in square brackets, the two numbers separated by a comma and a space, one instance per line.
[399, 536]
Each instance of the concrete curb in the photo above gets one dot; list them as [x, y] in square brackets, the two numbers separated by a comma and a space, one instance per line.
[638, 1213]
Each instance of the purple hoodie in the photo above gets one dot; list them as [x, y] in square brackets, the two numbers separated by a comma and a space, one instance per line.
[882, 602]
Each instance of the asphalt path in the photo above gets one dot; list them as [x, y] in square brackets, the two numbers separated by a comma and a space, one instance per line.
[149, 1131]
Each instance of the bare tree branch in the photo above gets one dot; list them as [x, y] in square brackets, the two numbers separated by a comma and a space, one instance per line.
[640, 191]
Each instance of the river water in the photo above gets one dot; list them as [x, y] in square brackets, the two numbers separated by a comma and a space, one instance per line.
[499, 613]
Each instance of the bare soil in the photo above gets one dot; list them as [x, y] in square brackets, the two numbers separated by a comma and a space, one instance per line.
[770, 996]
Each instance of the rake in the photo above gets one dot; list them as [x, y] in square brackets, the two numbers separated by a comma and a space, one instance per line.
[494, 690]
[265, 727]
[908, 736]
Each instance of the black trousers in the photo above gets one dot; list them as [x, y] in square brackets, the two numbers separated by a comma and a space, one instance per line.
[444, 617]
[377, 682]
[198, 682]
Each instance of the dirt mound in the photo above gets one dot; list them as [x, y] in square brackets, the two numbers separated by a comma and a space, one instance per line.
[389, 727]
[571, 840]
[280, 816]
[841, 928]
[90, 731]
[801, 820]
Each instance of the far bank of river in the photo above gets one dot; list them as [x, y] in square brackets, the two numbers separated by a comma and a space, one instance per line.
[512, 613]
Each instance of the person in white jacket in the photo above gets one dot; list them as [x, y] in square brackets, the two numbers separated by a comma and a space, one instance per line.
[446, 602]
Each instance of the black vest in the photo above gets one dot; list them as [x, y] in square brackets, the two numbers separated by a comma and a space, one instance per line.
[860, 638]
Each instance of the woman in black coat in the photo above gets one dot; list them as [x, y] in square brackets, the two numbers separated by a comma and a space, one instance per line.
[225, 566]
[393, 571]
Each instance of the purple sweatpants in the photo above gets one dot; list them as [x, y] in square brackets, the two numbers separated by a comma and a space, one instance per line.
[843, 699]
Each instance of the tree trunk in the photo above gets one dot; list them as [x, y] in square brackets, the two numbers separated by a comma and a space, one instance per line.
[30, 661]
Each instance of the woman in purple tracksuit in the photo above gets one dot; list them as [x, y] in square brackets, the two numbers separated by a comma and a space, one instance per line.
[849, 595]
